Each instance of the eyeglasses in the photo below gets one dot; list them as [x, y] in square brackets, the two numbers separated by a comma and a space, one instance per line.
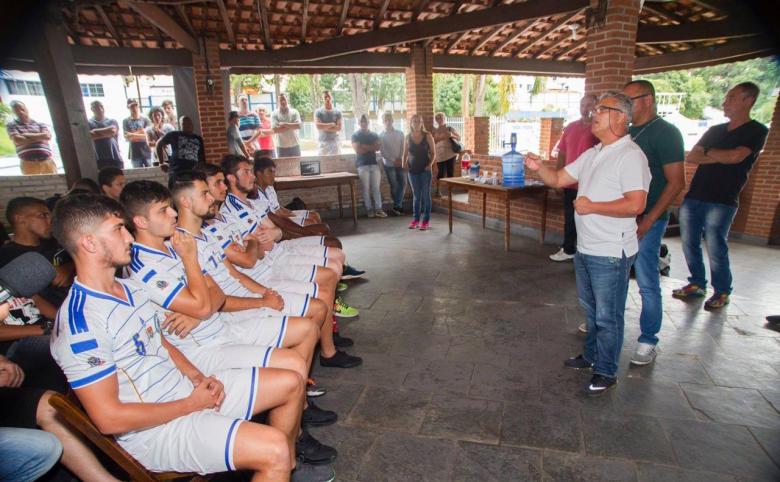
[640, 96]
[600, 109]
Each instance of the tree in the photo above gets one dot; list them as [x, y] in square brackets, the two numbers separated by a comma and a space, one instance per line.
[506, 91]
[479, 96]
[447, 93]
[358, 86]
[385, 88]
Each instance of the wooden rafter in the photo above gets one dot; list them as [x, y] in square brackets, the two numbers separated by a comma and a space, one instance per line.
[697, 31]
[523, 28]
[262, 13]
[571, 48]
[182, 13]
[304, 20]
[381, 15]
[663, 13]
[456, 7]
[157, 17]
[553, 45]
[418, 9]
[109, 25]
[226, 20]
[553, 28]
[739, 49]
[457, 40]
[485, 39]
[343, 18]
[719, 12]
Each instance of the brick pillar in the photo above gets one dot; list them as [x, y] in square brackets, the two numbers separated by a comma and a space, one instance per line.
[549, 132]
[419, 84]
[476, 134]
[759, 211]
[211, 104]
[610, 55]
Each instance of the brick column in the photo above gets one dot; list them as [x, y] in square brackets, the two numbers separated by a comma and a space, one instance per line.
[211, 104]
[549, 132]
[476, 134]
[759, 211]
[419, 84]
[610, 55]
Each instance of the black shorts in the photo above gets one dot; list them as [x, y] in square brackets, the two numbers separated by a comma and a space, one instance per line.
[446, 167]
[19, 406]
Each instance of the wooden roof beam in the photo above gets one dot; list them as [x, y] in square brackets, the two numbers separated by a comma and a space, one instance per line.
[485, 39]
[343, 18]
[226, 20]
[262, 13]
[697, 31]
[413, 32]
[571, 48]
[457, 40]
[740, 49]
[381, 15]
[553, 28]
[304, 20]
[184, 18]
[553, 45]
[456, 7]
[661, 12]
[418, 9]
[109, 25]
[157, 17]
[519, 33]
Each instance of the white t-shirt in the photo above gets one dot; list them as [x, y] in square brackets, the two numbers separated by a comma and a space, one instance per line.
[287, 138]
[246, 214]
[268, 195]
[605, 173]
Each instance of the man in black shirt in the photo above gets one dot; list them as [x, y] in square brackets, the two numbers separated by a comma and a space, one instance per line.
[724, 155]
[186, 148]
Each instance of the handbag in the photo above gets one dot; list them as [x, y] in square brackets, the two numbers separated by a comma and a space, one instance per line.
[457, 147]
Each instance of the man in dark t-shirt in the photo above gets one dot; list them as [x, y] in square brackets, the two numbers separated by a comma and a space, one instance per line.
[134, 128]
[724, 156]
[366, 143]
[104, 133]
[187, 148]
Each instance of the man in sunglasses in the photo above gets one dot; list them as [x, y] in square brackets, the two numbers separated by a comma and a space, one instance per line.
[613, 181]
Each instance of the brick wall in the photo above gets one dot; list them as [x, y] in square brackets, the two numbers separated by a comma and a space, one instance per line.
[419, 84]
[211, 104]
[476, 134]
[549, 133]
[610, 48]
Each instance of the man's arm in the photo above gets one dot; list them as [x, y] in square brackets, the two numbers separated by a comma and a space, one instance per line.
[44, 307]
[161, 145]
[630, 205]
[244, 258]
[17, 332]
[718, 156]
[675, 182]
[193, 299]
[551, 177]
[102, 132]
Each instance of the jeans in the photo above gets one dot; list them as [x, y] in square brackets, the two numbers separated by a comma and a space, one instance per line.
[397, 179]
[569, 227]
[713, 221]
[421, 189]
[27, 454]
[33, 355]
[602, 287]
[649, 280]
[141, 162]
[370, 178]
[292, 151]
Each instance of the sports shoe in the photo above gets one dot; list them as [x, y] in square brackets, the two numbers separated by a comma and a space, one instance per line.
[313, 390]
[305, 472]
[316, 417]
[371, 214]
[561, 256]
[773, 320]
[351, 272]
[644, 355]
[341, 287]
[343, 310]
[583, 328]
[578, 363]
[380, 213]
[689, 291]
[598, 385]
[342, 341]
[341, 360]
[395, 212]
[425, 226]
[716, 301]
[414, 225]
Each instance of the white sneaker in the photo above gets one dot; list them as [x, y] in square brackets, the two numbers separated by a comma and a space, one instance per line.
[380, 213]
[583, 328]
[561, 256]
[644, 355]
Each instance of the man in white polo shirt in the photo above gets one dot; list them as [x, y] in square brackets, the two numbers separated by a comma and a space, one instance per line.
[614, 178]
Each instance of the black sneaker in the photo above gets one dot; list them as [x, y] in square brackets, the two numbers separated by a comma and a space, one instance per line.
[599, 384]
[773, 320]
[341, 360]
[395, 212]
[578, 363]
[314, 416]
[342, 341]
[312, 451]
[306, 472]
[350, 272]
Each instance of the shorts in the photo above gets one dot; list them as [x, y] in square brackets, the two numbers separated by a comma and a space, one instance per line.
[295, 304]
[284, 286]
[299, 216]
[19, 406]
[295, 272]
[45, 166]
[263, 327]
[201, 442]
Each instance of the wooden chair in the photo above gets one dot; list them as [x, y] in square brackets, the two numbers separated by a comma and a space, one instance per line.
[71, 411]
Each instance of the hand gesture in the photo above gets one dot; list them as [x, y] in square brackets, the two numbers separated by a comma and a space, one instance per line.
[179, 324]
[643, 225]
[184, 244]
[11, 374]
[273, 300]
[209, 393]
[583, 205]
[533, 161]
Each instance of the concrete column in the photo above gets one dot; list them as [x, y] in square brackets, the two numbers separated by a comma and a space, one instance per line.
[419, 84]
[476, 134]
[66, 106]
[549, 133]
[611, 46]
[184, 91]
[211, 104]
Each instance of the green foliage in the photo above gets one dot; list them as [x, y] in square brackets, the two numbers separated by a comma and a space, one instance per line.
[5, 114]
[447, 93]
[299, 94]
[506, 91]
[386, 88]
[492, 101]
[6, 144]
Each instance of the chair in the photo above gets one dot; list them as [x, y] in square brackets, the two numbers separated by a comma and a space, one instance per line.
[70, 410]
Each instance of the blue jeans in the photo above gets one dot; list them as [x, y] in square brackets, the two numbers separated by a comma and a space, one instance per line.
[27, 454]
[602, 287]
[370, 179]
[649, 280]
[397, 179]
[421, 189]
[713, 221]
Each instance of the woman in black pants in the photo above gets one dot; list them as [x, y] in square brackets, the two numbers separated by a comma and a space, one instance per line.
[445, 156]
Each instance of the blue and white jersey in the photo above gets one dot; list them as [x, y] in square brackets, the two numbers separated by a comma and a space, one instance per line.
[247, 215]
[163, 277]
[267, 198]
[211, 257]
[97, 335]
[225, 228]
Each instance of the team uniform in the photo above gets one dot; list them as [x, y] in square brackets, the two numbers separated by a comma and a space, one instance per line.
[305, 246]
[271, 198]
[218, 342]
[97, 336]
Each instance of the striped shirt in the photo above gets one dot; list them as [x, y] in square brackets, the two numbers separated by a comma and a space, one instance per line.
[31, 151]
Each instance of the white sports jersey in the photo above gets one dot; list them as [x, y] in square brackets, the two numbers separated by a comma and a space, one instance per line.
[267, 196]
[163, 276]
[248, 216]
[211, 257]
[97, 335]
[225, 228]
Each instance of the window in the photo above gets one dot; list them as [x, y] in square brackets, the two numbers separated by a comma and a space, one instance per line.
[92, 90]
[24, 87]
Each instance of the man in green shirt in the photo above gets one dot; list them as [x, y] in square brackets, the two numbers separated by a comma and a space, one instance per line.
[662, 143]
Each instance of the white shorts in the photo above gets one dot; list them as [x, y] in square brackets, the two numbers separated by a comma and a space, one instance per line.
[299, 216]
[296, 272]
[295, 304]
[201, 442]
[263, 327]
[291, 286]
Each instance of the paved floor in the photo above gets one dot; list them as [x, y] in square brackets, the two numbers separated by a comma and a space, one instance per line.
[463, 379]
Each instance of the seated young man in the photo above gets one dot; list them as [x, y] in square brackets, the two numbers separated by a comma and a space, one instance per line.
[138, 387]
[265, 176]
[246, 260]
[111, 181]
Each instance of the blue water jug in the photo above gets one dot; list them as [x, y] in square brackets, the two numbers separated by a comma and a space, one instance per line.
[512, 164]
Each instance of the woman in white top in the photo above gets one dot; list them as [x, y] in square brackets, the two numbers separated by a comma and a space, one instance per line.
[445, 156]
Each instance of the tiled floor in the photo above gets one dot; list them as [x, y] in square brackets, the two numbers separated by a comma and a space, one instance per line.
[463, 379]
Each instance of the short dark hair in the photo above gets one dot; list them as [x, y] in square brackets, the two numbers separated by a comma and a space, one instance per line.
[107, 175]
[85, 184]
[262, 162]
[233, 114]
[645, 85]
[207, 169]
[183, 181]
[138, 195]
[17, 204]
[749, 89]
[230, 164]
[75, 214]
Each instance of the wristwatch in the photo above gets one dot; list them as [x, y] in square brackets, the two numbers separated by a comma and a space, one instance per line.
[47, 325]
